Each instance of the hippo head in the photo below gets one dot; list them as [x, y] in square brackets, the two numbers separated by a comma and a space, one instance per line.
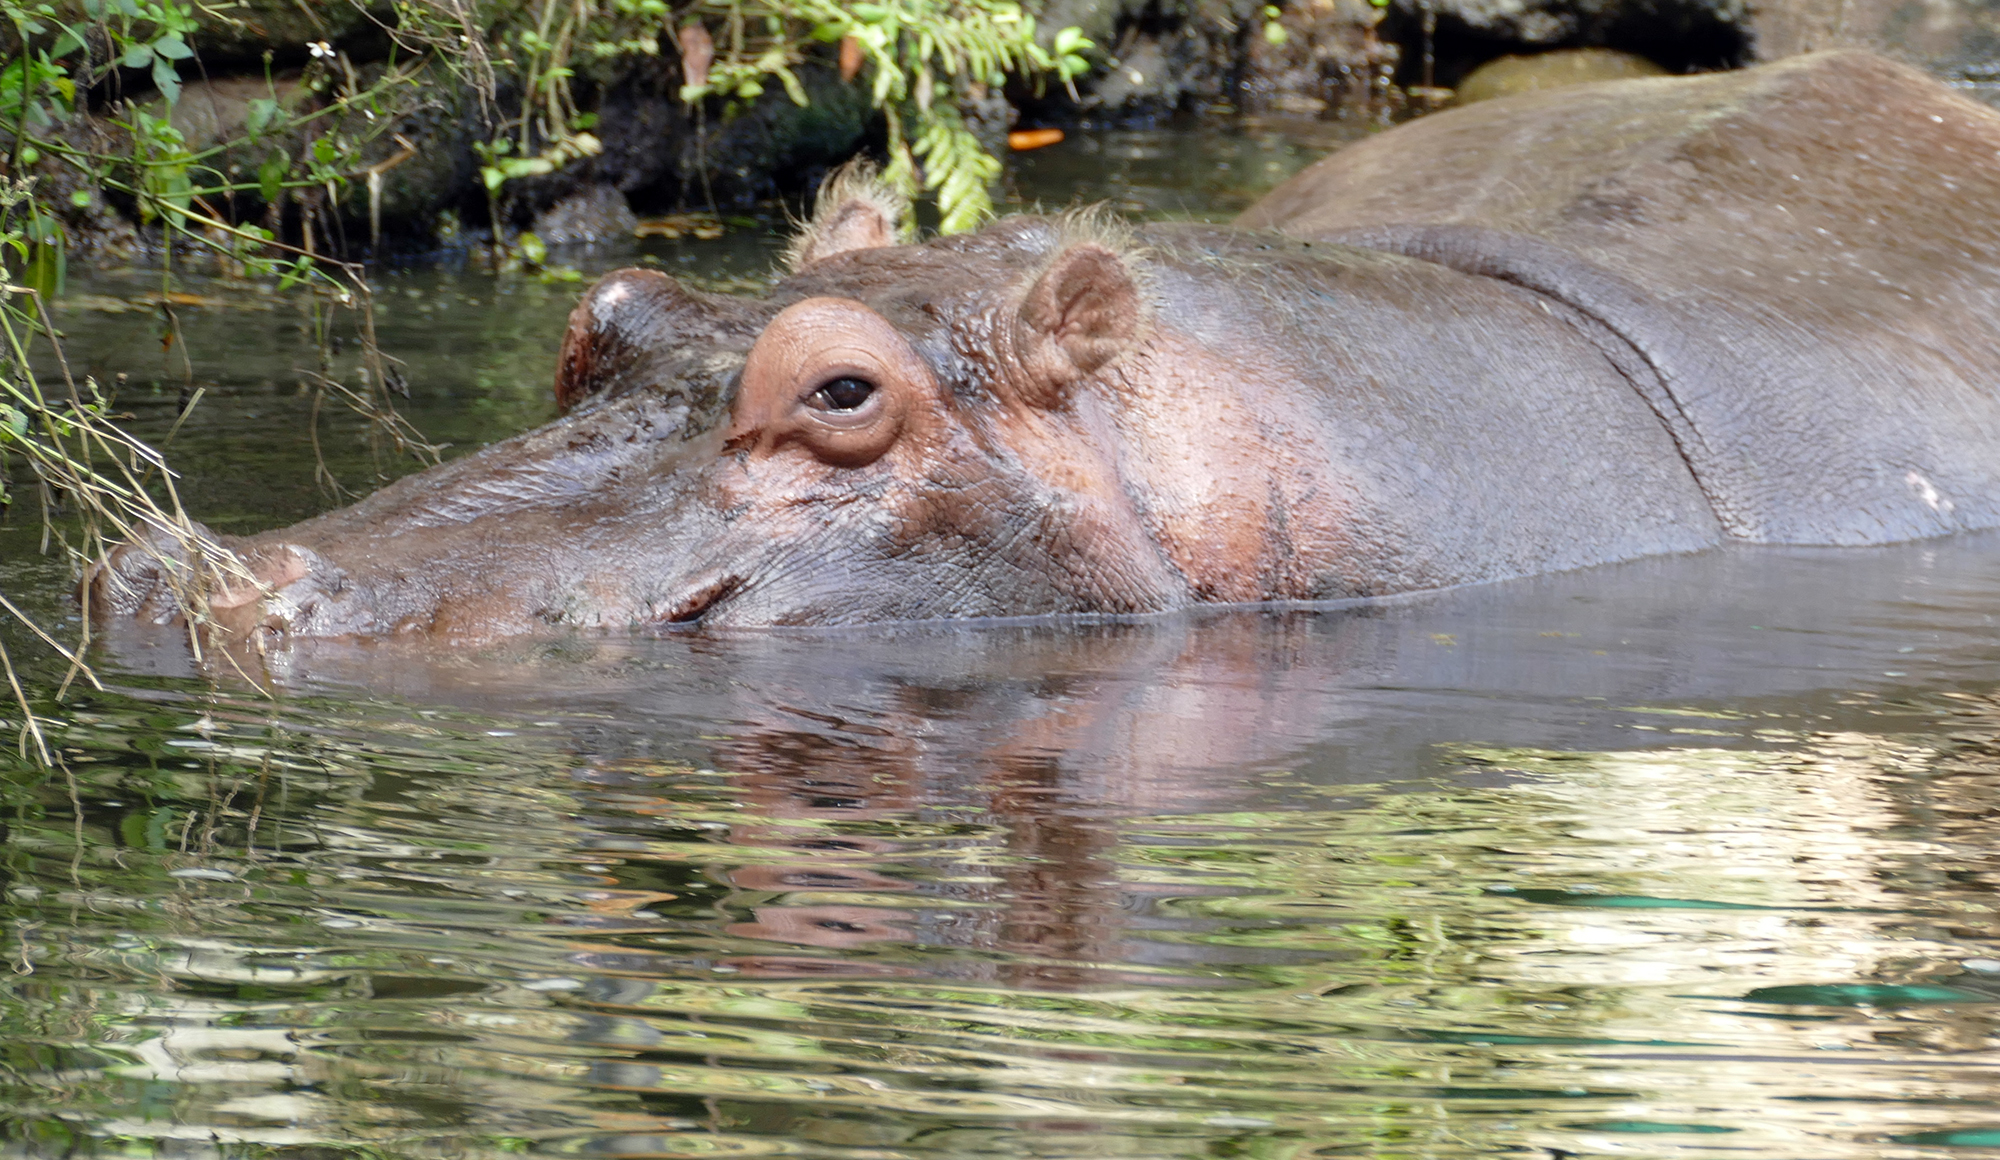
[896, 432]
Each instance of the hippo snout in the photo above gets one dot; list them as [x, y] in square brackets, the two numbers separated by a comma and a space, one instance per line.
[251, 591]
[146, 577]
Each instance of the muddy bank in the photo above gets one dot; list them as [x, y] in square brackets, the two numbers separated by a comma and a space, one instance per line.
[414, 154]
[1303, 58]
[1342, 57]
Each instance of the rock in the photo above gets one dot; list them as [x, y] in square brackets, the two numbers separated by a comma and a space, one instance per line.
[663, 154]
[596, 214]
[990, 116]
[94, 231]
[1103, 21]
[1141, 76]
[1509, 75]
[1318, 56]
[1443, 41]
[773, 146]
[1157, 57]
[438, 175]
[214, 111]
[1957, 40]
[1313, 57]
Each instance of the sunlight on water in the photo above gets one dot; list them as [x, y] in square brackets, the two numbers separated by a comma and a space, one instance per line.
[611, 906]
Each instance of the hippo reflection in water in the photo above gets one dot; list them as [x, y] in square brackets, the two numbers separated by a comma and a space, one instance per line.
[1532, 334]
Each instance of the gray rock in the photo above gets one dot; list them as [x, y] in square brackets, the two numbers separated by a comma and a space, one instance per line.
[1219, 55]
[1456, 36]
[1958, 40]
[1510, 75]
[214, 111]
[598, 213]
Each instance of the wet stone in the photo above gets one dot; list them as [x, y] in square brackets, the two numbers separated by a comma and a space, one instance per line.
[597, 214]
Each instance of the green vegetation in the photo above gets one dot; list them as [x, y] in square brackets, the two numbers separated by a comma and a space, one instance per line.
[921, 60]
[924, 57]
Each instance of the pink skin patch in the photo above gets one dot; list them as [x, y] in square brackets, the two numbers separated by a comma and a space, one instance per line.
[286, 568]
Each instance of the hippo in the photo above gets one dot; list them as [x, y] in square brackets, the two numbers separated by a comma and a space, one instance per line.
[1533, 334]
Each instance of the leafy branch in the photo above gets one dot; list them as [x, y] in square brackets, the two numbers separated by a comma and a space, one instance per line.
[924, 58]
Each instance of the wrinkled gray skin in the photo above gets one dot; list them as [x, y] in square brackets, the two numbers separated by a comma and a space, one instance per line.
[1534, 334]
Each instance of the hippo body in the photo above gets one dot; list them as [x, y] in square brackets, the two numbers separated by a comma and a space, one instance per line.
[1535, 334]
[1807, 260]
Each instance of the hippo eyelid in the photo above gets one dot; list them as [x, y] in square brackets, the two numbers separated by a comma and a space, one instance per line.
[811, 346]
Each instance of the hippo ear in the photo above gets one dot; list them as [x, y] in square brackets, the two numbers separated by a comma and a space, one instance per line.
[855, 210]
[619, 330]
[1083, 312]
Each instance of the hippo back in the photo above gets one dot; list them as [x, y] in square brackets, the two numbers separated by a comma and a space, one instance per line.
[1806, 256]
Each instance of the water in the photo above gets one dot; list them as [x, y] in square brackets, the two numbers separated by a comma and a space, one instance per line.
[1689, 857]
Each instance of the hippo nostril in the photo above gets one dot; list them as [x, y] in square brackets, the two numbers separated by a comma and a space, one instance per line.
[267, 638]
[698, 604]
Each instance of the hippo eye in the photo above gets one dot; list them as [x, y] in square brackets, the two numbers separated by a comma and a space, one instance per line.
[843, 394]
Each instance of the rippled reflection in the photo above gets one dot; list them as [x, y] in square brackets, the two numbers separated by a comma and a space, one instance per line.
[1596, 864]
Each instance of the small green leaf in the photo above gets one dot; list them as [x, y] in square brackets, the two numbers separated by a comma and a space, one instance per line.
[1274, 33]
[138, 56]
[80, 199]
[300, 270]
[793, 88]
[525, 167]
[172, 47]
[258, 116]
[47, 265]
[168, 81]
[271, 176]
[178, 191]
